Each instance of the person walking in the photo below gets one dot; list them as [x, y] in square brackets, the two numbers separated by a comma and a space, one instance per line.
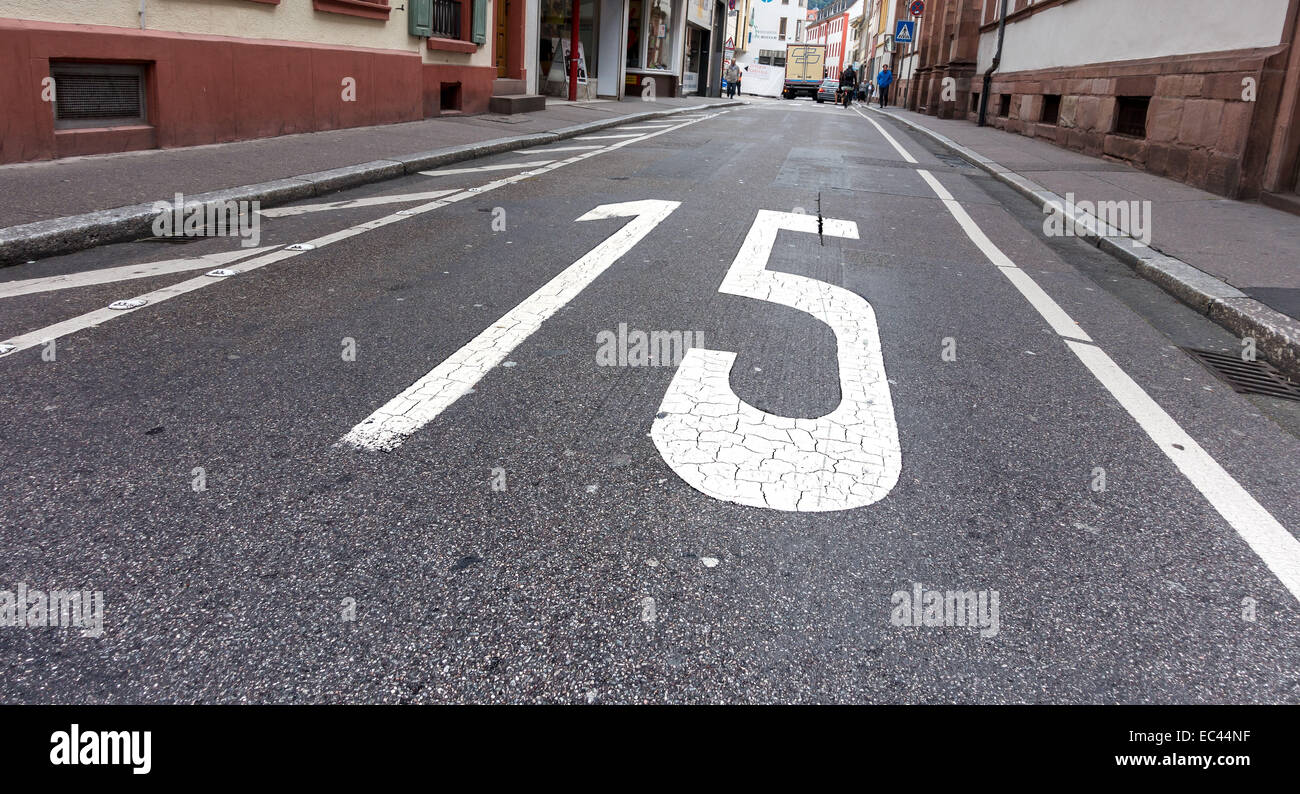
[883, 80]
[733, 79]
[848, 84]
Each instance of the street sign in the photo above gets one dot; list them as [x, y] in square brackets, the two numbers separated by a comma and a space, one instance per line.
[917, 8]
[905, 33]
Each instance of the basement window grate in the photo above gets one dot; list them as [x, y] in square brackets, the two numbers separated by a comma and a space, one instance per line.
[1246, 377]
[1131, 115]
[98, 94]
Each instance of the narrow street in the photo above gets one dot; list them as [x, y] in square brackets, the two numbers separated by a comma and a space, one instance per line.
[439, 438]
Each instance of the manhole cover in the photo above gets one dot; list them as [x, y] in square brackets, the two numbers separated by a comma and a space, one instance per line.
[1246, 377]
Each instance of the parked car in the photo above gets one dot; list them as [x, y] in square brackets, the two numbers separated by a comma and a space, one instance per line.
[828, 89]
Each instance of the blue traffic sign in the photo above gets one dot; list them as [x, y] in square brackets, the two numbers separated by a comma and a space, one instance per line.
[905, 33]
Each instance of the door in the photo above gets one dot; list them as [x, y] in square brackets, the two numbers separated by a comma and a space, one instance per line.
[502, 11]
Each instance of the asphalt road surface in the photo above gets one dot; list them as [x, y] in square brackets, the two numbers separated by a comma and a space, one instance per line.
[429, 458]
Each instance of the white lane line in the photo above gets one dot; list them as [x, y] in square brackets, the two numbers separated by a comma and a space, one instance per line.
[108, 275]
[1060, 321]
[100, 316]
[422, 401]
[644, 127]
[481, 168]
[897, 146]
[557, 149]
[1265, 535]
[1277, 547]
[281, 212]
[606, 137]
[728, 449]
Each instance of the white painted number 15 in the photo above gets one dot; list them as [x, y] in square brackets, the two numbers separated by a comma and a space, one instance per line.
[716, 442]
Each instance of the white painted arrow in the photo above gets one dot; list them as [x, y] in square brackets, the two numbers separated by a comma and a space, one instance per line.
[432, 394]
[108, 275]
[725, 447]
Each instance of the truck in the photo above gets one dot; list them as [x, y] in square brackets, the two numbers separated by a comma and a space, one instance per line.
[805, 65]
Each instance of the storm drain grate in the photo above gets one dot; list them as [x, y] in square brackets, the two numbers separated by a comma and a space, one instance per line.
[1246, 377]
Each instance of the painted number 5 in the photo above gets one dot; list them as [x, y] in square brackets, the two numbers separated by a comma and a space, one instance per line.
[724, 447]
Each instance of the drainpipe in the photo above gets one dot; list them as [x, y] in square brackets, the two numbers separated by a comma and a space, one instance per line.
[142, 5]
[993, 67]
[573, 54]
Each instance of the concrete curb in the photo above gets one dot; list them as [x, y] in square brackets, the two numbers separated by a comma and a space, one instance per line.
[77, 232]
[1277, 336]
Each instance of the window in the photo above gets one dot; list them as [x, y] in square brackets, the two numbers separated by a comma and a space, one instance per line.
[1131, 115]
[781, 33]
[974, 102]
[1051, 108]
[446, 19]
[98, 94]
[1004, 105]
[659, 34]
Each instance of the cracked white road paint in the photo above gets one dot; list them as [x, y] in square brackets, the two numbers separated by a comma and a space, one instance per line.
[429, 396]
[726, 448]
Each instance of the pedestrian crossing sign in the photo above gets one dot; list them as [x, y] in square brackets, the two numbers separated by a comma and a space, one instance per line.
[904, 33]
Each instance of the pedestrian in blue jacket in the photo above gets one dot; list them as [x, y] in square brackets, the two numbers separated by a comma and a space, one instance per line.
[884, 79]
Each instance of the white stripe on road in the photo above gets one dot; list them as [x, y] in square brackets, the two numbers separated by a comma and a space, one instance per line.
[645, 127]
[280, 212]
[422, 401]
[1277, 547]
[100, 316]
[606, 137]
[558, 149]
[1265, 535]
[481, 168]
[1061, 322]
[109, 275]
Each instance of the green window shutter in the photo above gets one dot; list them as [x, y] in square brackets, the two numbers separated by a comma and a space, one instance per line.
[479, 34]
[419, 17]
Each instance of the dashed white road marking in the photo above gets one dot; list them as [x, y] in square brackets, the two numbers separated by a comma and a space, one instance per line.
[481, 168]
[99, 316]
[1264, 534]
[557, 149]
[726, 448]
[108, 275]
[422, 401]
[373, 201]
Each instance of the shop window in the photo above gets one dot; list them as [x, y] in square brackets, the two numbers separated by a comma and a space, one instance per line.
[1131, 115]
[1051, 108]
[634, 41]
[658, 35]
[98, 94]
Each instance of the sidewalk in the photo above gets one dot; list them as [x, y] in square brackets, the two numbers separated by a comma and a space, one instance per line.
[38, 201]
[1246, 256]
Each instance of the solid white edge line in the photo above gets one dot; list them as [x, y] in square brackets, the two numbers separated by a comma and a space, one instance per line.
[1271, 542]
[110, 275]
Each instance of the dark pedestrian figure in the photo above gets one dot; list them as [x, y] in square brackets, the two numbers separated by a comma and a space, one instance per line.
[848, 85]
